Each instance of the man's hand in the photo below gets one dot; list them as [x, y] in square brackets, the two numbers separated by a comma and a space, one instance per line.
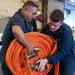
[30, 49]
[40, 18]
[42, 64]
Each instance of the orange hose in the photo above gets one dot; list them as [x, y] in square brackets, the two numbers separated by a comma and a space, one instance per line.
[17, 58]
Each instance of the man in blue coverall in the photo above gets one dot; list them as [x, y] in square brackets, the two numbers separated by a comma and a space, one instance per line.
[21, 22]
[62, 33]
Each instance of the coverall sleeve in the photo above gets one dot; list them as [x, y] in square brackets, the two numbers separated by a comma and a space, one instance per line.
[64, 48]
[17, 21]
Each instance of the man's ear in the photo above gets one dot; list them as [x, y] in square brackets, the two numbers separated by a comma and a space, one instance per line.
[26, 9]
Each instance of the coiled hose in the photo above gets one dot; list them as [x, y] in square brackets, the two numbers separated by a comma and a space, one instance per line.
[17, 57]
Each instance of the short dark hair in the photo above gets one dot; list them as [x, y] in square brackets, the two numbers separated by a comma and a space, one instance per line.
[29, 3]
[57, 15]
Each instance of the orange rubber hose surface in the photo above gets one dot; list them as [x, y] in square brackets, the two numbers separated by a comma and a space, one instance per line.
[17, 57]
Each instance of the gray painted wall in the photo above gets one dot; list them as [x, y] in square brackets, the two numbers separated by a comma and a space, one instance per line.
[53, 4]
[3, 22]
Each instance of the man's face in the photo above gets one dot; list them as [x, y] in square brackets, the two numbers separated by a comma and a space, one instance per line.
[31, 13]
[54, 26]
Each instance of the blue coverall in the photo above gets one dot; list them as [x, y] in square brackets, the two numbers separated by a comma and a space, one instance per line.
[64, 54]
[8, 36]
